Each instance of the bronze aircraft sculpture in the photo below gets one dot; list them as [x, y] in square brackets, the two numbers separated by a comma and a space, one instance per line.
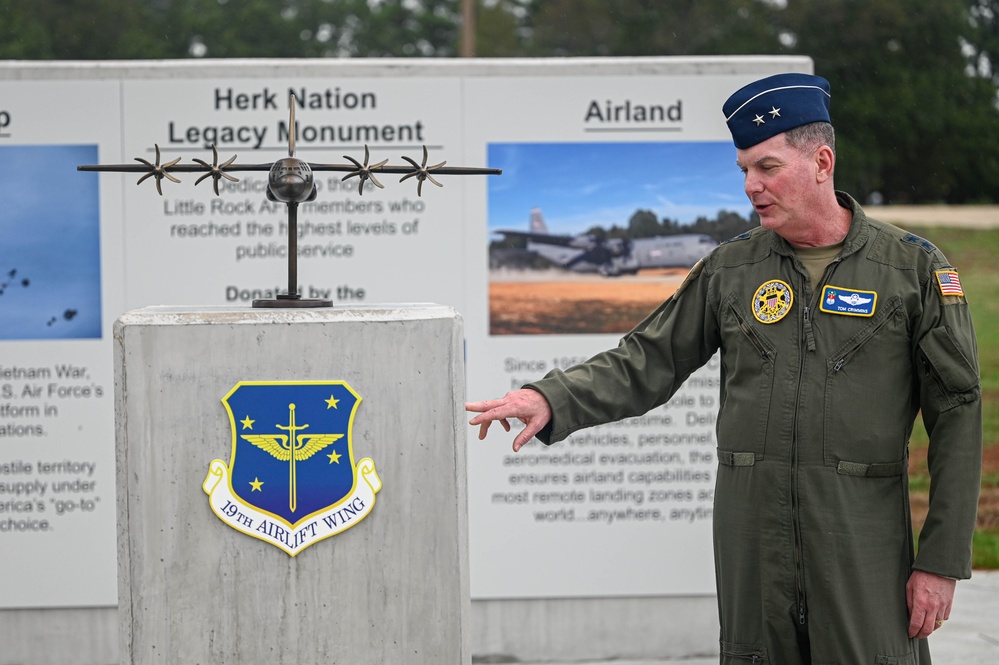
[291, 181]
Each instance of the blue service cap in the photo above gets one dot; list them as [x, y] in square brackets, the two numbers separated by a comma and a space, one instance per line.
[775, 104]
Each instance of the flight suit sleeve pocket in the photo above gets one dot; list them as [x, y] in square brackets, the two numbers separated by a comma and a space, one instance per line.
[954, 374]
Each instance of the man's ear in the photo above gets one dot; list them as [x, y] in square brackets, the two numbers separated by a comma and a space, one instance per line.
[825, 160]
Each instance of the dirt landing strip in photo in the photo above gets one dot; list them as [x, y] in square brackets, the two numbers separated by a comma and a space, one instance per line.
[539, 303]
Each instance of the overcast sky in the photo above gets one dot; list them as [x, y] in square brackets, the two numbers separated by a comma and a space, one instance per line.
[580, 185]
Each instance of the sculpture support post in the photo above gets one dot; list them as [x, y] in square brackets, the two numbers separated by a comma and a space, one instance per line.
[293, 251]
[293, 298]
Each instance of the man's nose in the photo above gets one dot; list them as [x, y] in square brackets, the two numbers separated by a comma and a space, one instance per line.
[752, 185]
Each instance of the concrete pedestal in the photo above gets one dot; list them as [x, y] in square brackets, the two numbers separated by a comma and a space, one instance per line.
[393, 588]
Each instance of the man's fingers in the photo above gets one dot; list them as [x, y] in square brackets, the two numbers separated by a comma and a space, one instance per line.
[530, 429]
[917, 624]
[484, 425]
[528, 406]
[930, 598]
[497, 411]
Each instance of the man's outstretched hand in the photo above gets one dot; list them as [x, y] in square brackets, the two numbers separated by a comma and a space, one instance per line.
[528, 406]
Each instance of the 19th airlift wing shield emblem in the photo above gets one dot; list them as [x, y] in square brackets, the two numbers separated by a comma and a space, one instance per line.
[291, 479]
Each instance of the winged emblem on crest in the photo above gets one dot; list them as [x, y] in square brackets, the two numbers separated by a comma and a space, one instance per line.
[291, 448]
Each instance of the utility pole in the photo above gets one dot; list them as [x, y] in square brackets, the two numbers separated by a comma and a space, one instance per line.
[467, 46]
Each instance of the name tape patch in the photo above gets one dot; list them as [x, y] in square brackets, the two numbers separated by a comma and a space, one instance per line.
[849, 302]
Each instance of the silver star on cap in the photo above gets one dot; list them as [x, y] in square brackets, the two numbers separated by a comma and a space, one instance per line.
[774, 112]
[759, 120]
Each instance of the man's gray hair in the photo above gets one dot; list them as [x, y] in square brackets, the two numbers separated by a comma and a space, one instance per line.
[811, 136]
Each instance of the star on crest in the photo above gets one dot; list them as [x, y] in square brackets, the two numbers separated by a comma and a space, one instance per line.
[256, 484]
[247, 422]
[334, 457]
[332, 402]
[774, 112]
[759, 120]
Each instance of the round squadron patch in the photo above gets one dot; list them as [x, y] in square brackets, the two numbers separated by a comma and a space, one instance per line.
[772, 301]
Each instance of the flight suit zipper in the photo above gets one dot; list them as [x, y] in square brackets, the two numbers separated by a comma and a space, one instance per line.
[751, 335]
[806, 345]
[799, 577]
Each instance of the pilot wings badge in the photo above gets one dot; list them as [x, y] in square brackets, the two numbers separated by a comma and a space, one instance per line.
[291, 479]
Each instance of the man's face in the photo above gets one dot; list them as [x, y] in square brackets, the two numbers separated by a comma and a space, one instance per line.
[780, 183]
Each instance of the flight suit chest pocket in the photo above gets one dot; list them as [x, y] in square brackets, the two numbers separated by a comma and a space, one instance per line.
[748, 357]
[868, 406]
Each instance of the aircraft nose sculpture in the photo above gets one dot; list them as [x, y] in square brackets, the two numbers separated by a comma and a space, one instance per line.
[291, 181]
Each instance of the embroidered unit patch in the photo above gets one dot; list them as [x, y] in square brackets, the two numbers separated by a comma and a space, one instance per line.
[291, 479]
[950, 283]
[772, 301]
[850, 302]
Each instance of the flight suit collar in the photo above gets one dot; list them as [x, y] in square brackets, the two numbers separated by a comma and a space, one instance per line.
[856, 237]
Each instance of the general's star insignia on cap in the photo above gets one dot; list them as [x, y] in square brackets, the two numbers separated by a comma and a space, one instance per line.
[803, 99]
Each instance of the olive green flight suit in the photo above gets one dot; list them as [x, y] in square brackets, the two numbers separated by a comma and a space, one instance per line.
[812, 533]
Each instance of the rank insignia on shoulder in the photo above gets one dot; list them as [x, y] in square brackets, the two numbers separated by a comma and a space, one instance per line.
[742, 236]
[772, 301]
[291, 479]
[949, 283]
[850, 302]
[913, 239]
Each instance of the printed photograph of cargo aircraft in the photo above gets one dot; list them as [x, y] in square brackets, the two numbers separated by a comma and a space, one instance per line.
[623, 223]
[611, 257]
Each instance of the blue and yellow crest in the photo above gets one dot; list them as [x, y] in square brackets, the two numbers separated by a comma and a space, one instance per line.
[291, 478]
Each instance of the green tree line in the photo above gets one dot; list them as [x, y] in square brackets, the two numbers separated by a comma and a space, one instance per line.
[645, 224]
[914, 81]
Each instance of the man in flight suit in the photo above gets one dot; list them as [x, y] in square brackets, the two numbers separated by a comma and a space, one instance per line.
[834, 331]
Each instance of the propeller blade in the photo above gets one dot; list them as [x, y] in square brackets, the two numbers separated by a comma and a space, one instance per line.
[291, 127]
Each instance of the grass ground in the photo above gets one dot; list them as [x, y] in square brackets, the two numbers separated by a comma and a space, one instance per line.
[975, 253]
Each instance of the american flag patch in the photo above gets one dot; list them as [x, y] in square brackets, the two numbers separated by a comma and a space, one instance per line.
[950, 283]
